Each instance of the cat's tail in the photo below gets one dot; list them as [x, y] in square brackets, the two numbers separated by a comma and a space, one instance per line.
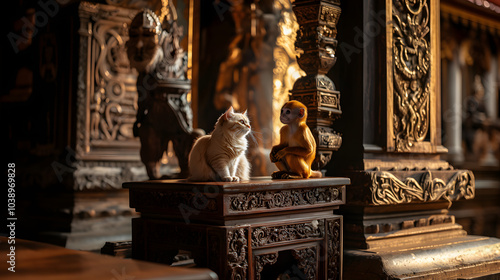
[316, 174]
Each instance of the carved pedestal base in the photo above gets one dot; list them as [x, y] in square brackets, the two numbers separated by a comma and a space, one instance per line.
[467, 257]
[397, 226]
[80, 221]
[260, 229]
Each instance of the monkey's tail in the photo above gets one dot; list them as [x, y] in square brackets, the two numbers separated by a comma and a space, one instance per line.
[316, 174]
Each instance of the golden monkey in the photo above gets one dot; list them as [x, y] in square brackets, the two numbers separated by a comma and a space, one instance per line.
[297, 148]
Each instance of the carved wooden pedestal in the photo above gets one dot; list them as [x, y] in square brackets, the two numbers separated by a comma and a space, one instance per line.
[396, 217]
[254, 230]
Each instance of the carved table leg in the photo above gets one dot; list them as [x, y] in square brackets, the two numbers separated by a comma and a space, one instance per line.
[234, 241]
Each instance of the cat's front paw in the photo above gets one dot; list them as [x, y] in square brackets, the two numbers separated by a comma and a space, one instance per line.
[231, 179]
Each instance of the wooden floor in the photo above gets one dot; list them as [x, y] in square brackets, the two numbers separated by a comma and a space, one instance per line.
[34, 260]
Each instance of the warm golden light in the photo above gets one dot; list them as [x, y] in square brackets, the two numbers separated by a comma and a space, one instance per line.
[286, 70]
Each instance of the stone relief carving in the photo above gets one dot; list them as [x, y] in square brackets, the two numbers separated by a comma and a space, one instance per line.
[388, 189]
[412, 61]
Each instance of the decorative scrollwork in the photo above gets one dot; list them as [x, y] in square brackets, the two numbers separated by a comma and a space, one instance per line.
[333, 249]
[112, 107]
[388, 189]
[412, 60]
[262, 260]
[327, 138]
[262, 236]
[237, 253]
[307, 260]
[279, 199]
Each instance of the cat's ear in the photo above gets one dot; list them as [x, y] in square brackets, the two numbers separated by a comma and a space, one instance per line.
[229, 113]
[245, 113]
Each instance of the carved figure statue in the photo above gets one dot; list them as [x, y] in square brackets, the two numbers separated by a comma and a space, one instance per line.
[297, 148]
[164, 113]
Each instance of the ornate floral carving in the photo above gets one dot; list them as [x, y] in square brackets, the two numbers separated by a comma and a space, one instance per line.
[330, 100]
[388, 189]
[98, 175]
[262, 260]
[333, 249]
[314, 83]
[307, 260]
[262, 236]
[237, 253]
[279, 199]
[106, 98]
[411, 72]
[112, 107]
[324, 157]
[308, 100]
[329, 14]
[327, 138]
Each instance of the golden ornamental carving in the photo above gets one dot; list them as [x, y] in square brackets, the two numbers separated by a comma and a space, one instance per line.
[112, 103]
[388, 189]
[411, 72]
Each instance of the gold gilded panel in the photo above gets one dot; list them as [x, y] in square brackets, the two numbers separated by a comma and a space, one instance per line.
[412, 75]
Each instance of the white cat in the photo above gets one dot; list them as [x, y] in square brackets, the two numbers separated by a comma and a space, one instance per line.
[221, 155]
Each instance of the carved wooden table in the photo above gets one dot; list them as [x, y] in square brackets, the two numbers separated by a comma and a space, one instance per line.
[254, 230]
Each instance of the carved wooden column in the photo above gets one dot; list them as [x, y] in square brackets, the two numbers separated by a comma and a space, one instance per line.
[316, 40]
[396, 219]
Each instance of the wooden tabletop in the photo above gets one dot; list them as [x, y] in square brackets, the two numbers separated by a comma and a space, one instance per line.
[34, 260]
[255, 184]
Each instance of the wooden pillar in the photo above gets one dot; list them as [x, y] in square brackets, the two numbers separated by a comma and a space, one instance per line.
[316, 39]
[452, 112]
[396, 220]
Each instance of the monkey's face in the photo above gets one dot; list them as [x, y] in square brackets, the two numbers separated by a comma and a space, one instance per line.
[290, 115]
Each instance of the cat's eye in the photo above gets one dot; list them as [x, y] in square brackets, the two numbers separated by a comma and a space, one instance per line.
[242, 121]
